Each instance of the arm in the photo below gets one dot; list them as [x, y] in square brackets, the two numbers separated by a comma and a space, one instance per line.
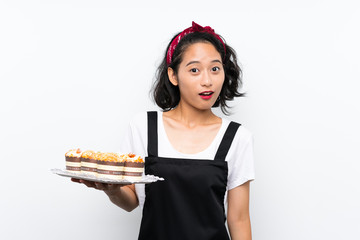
[123, 196]
[238, 217]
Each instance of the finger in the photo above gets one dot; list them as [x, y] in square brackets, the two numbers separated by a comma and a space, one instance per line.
[112, 186]
[100, 186]
[75, 180]
[88, 183]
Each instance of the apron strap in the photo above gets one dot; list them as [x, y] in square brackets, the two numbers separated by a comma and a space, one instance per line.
[152, 134]
[226, 141]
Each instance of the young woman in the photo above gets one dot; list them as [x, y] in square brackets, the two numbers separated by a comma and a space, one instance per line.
[206, 161]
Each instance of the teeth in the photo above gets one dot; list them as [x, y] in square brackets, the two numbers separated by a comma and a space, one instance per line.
[206, 93]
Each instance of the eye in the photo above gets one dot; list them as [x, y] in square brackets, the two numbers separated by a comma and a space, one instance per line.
[214, 69]
[194, 70]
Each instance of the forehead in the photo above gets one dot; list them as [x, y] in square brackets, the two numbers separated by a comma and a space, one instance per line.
[201, 51]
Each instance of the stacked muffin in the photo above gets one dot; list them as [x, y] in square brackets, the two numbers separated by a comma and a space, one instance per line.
[133, 167]
[73, 161]
[89, 163]
[108, 165]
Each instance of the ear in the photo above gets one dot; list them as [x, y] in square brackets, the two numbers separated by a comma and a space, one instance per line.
[172, 76]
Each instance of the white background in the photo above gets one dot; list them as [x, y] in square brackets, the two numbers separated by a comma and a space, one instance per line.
[74, 72]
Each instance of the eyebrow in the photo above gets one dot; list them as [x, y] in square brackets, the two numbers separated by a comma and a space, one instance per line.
[192, 62]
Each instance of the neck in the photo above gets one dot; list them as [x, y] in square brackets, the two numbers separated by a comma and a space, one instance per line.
[192, 117]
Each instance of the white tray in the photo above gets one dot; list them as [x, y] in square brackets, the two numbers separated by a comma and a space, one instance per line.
[145, 179]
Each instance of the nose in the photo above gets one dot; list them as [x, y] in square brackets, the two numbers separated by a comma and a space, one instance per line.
[206, 80]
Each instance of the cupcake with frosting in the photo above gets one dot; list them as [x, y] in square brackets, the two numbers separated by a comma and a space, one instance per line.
[110, 165]
[73, 162]
[134, 167]
[89, 163]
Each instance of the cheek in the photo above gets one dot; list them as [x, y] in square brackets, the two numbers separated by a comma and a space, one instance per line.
[186, 88]
[186, 83]
[220, 80]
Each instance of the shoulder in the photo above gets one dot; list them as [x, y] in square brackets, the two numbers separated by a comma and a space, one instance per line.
[139, 119]
[243, 134]
[242, 138]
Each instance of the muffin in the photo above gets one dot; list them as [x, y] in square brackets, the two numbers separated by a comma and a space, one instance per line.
[110, 165]
[73, 162]
[134, 167]
[88, 163]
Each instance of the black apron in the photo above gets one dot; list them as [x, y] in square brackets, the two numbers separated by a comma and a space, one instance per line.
[189, 203]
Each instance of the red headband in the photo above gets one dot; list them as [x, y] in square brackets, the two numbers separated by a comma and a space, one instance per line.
[194, 28]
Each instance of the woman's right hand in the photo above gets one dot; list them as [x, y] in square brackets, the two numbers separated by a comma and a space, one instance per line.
[109, 189]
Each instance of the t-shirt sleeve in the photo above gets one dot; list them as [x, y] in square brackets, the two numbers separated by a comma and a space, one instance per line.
[134, 137]
[241, 162]
[127, 140]
[134, 140]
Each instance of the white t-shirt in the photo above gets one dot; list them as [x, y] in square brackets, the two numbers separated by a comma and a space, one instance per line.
[240, 156]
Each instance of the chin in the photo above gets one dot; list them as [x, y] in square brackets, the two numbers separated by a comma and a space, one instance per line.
[205, 108]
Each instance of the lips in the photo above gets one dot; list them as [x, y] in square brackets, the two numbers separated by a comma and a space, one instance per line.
[206, 94]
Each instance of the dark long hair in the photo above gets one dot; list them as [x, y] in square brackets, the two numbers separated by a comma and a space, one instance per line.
[167, 96]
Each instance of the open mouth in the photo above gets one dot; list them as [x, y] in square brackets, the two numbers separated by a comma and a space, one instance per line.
[206, 94]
